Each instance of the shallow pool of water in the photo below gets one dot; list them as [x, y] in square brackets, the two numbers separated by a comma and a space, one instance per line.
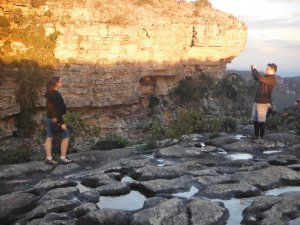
[272, 152]
[240, 156]
[164, 162]
[239, 136]
[278, 191]
[82, 188]
[127, 179]
[193, 190]
[295, 221]
[235, 207]
[132, 201]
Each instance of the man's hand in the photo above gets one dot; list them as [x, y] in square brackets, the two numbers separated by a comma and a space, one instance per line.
[253, 66]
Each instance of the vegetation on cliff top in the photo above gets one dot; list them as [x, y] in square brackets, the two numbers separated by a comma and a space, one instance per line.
[26, 55]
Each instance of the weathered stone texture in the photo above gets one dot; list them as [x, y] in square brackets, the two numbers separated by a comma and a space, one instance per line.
[113, 54]
[8, 107]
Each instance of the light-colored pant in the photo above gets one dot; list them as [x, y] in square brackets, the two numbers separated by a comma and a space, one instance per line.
[259, 112]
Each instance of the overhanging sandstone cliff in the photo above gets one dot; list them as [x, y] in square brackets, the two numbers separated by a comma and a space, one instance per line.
[113, 53]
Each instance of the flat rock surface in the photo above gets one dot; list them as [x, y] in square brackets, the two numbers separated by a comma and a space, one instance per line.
[193, 180]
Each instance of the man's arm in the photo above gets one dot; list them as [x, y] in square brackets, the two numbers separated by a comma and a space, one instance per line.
[257, 76]
[255, 73]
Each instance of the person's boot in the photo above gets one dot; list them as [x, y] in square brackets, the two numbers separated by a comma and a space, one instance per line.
[256, 129]
[262, 130]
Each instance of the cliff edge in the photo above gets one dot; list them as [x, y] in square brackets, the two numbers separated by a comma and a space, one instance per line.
[114, 54]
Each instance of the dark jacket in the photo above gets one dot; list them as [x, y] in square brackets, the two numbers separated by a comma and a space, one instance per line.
[265, 88]
[55, 106]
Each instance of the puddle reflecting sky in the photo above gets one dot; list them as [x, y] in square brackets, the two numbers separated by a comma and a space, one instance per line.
[193, 190]
[239, 136]
[278, 191]
[240, 156]
[235, 207]
[164, 162]
[272, 152]
[82, 188]
[127, 179]
[132, 201]
[295, 221]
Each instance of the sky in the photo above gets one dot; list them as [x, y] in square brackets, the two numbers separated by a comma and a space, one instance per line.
[273, 33]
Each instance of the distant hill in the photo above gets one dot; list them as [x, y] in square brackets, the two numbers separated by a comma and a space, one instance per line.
[286, 92]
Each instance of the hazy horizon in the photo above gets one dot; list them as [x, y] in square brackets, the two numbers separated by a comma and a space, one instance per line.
[281, 74]
[273, 33]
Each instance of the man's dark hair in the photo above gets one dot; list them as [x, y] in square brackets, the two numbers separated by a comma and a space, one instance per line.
[273, 66]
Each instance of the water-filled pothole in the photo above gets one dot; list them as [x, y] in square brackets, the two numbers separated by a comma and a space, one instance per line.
[127, 179]
[278, 191]
[239, 136]
[82, 188]
[129, 202]
[295, 221]
[193, 190]
[236, 206]
[164, 162]
[239, 156]
[272, 152]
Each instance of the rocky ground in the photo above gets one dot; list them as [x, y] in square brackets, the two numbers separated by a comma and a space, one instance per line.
[193, 180]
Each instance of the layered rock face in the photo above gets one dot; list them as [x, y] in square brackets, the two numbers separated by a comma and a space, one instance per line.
[120, 53]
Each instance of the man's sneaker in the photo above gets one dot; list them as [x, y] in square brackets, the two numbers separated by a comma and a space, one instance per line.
[65, 161]
[259, 140]
[51, 162]
[253, 137]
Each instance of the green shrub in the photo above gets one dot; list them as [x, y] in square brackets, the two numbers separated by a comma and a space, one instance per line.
[297, 125]
[186, 123]
[235, 87]
[153, 101]
[193, 121]
[156, 130]
[150, 144]
[25, 121]
[30, 79]
[32, 66]
[229, 124]
[193, 89]
[21, 155]
[209, 124]
[78, 127]
[110, 142]
[185, 89]
[274, 122]
[291, 118]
